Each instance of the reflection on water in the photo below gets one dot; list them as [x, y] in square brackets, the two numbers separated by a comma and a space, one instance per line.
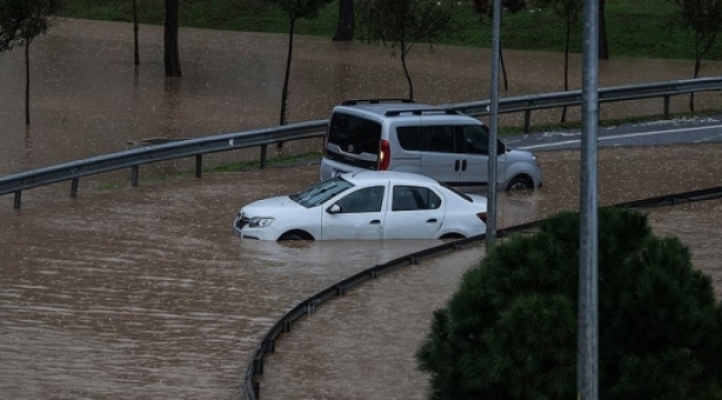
[88, 98]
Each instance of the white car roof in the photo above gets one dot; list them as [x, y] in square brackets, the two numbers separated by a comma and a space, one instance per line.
[367, 175]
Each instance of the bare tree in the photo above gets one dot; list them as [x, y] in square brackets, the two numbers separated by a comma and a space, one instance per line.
[485, 8]
[136, 53]
[603, 43]
[403, 23]
[569, 11]
[171, 56]
[704, 19]
[294, 9]
[24, 20]
[346, 21]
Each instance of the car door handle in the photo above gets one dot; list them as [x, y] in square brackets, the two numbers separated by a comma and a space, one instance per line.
[431, 221]
[375, 222]
[463, 165]
[456, 165]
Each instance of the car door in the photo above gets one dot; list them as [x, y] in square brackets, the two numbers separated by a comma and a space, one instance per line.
[439, 158]
[416, 212]
[475, 164]
[356, 215]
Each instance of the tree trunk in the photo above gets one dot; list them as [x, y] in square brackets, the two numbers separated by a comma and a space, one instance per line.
[404, 50]
[503, 68]
[27, 82]
[697, 67]
[346, 21]
[170, 39]
[136, 53]
[566, 67]
[284, 92]
[603, 45]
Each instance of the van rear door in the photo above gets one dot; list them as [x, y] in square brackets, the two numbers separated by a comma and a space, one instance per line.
[353, 140]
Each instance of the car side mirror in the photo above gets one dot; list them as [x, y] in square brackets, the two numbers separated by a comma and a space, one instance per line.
[334, 209]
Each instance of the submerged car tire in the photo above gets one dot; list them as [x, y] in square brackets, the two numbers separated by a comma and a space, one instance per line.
[520, 182]
[294, 235]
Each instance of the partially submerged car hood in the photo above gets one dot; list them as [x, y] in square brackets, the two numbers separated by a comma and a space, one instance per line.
[271, 207]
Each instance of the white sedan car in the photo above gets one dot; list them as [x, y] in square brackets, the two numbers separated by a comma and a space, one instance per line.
[366, 205]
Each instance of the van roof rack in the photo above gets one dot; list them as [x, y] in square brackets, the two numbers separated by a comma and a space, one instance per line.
[374, 101]
[419, 111]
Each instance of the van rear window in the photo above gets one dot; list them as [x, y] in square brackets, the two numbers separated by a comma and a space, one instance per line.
[354, 134]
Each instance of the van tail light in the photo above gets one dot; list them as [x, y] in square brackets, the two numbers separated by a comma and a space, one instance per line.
[482, 216]
[384, 155]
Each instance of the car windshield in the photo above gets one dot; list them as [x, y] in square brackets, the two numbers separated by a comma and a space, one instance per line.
[321, 192]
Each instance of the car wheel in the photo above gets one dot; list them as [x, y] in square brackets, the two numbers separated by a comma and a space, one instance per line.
[452, 236]
[519, 183]
[292, 236]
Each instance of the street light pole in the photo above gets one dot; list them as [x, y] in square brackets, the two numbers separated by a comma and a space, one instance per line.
[493, 128]
[588, 336]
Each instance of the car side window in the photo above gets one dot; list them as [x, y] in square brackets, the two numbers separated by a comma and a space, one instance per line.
[476, 139]
[409, 198]
[362, 201]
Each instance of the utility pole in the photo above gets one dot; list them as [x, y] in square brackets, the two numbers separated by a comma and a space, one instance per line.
[493, 128]
[588, 339]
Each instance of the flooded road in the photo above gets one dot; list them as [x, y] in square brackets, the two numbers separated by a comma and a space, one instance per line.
[143, 293]
[87, 98]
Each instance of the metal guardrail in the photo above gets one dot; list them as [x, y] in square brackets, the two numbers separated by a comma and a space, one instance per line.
[134, 158]
[527, 104]
[252, 388]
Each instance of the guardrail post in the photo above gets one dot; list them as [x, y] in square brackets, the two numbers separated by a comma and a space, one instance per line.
[527, 121]
[264, 150]
[666, 107]
[286, 326]
[199, 165]
[16, 202]
[135, 175]
[258, 366]
[74, 188]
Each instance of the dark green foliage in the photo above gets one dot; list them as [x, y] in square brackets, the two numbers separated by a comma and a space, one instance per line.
[24, 20]
[509, 332]
[301, 8]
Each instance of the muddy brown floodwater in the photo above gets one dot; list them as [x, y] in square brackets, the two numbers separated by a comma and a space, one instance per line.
[144, 293]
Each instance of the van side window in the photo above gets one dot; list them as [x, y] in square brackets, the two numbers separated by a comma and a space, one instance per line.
[476, 140]
[439, 139]
[354, 134]
[410, 138]
[409, 198]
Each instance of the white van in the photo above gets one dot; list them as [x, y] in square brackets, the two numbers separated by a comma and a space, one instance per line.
[401, 135]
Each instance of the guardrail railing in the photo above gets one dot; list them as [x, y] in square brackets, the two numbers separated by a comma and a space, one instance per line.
[74, 170]
[252, 388]
[527, 104]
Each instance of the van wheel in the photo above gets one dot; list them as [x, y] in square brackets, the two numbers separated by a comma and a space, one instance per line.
[520, 182]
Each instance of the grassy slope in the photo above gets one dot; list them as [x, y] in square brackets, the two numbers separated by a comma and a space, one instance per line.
[636, 28]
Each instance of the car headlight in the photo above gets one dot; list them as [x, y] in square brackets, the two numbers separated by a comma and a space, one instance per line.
[259, 222]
